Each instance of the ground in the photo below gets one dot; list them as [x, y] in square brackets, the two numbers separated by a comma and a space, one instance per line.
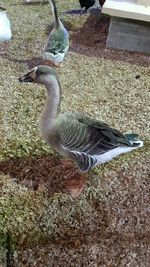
[108, 225]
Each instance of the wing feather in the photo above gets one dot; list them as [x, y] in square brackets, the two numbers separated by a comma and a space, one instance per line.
[58, 42]
[82, 139]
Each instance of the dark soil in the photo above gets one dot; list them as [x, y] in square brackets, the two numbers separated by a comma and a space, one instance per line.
[91, 41]
[47, 170]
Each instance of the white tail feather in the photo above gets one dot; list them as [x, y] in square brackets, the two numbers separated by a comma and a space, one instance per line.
[116, 152]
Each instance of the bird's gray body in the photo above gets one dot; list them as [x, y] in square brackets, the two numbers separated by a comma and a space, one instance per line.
[58, 40]
[58, 44]
[87, 141]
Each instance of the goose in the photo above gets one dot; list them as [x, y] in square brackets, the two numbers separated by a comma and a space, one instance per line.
[58, 41]
[84, 140]
[5, 30]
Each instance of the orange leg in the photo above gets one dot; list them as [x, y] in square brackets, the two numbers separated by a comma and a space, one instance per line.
[67, 163]
[76, 185]
[51, 64]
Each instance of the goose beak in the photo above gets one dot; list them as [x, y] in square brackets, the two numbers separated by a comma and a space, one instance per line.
[25, 78]
[29, 77]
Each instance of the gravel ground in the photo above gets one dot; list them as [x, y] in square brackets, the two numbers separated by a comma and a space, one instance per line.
[114, 230]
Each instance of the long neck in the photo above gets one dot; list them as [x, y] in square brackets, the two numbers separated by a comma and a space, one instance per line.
[52, 105]
[55, 13]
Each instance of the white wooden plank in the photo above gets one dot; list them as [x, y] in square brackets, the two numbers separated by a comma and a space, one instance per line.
[127, 9]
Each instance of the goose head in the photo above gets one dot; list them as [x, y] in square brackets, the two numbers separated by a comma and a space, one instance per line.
[41, 74]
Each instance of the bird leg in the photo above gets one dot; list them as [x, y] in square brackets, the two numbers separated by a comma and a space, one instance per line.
[76, 185]
[67, 163]
[51, 64]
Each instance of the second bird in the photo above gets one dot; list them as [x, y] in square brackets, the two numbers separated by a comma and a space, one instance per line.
[58, 41]
[86, 4]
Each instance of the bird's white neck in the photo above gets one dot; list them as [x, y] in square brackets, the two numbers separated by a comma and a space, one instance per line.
[51, 108]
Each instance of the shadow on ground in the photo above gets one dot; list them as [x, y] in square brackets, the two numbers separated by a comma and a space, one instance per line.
[34, 172]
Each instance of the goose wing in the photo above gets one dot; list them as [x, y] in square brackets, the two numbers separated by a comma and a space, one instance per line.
[58, 41]
[82, 139]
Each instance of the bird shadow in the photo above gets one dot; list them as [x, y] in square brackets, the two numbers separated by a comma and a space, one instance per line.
[36, 171]
[30, 62]
[81, 12]
[35, 3]
[72, 12]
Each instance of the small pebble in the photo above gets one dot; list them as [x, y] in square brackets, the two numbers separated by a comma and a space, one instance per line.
[137, 76]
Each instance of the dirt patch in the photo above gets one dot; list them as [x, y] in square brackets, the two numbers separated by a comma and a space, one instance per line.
[113, 252]
[46, 170]
[91, 41]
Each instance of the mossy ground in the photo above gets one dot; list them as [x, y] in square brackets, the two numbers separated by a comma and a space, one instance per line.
[108, 224]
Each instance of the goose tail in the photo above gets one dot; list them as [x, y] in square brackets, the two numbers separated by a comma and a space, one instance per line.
[134, 140]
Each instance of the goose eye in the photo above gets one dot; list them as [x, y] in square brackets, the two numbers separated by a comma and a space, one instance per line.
[42, 72]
